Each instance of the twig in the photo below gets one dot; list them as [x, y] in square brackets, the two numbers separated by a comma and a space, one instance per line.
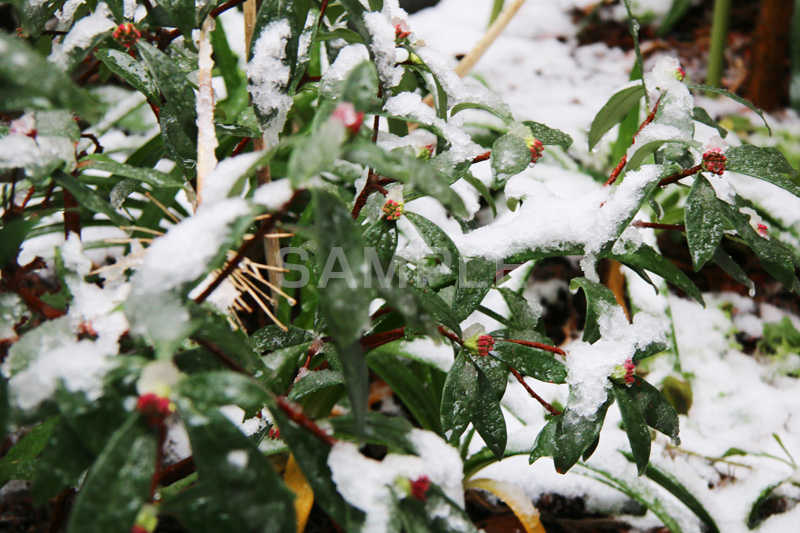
[552, 410]
[680, 175]
[537, 345]
[449, 335]
[299, 418]
[223, 358]
[370, 342]
[482, 157]
[246, 246]
[622, 162]
[217, 11]
[654, 225]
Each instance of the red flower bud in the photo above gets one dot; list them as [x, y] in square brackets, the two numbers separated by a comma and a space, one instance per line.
[762, 230]
[419, 488]
[714, 161]
[347, 115]
[537, 149]
[274, 433]
[392, 210]
[485, 344]
[127, 35]
[155, 408]
[139, 529]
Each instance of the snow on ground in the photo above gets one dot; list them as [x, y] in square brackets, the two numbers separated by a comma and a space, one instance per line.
[538, 69]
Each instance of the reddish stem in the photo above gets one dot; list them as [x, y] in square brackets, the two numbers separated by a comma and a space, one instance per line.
[178, 471]
[449, 335]
[72, 218]
[654, 225]
[680, 175]
[322, 8]
[241, 146]
[371, 342]
[618, 169]
[537, 345]
[162, 437]
[224, 7]
[552, 410]
[482, 157]
[299, 418]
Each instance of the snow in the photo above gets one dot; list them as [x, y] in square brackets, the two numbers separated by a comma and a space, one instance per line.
[226, 175]
[82, 34]
[590, 365]
[269, 77]
[383, 47]
[275, 194]
[369, 484]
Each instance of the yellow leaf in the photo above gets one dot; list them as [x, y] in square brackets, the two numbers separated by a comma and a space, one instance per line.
[294, 479]
[513, 496]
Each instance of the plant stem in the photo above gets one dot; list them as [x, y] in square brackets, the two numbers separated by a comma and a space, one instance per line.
[449, 335]
[622, 162]
[654, 225]
[680, 175]
[550, 409]
[719, 38]
[537, 345]
[299, 418]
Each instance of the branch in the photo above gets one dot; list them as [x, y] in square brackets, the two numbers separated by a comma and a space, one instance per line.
[299, 418]
[654, 225]
[680, 175]
[371, 342]
[622, 162]
[552, 410]
[537, 345]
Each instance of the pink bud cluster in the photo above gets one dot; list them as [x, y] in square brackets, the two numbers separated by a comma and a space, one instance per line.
[419, 488]
[392, 210]
[762, 230]
[680, 74]
[629, 368]
[537, 149]
[274, 433]
[401, 30]
[127, 35]
[485, 344]
[714, 161]
[155, 408]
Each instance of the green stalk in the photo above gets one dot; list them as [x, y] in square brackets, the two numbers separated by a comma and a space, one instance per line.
[497, 7]
[719, 37]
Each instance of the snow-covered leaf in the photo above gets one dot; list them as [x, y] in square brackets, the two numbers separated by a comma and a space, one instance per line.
[475, 278]
[130, 70]
[599, 302]
[575, 434]
[146, 175]
[510, 156]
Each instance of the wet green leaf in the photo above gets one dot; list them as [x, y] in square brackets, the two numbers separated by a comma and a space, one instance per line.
[704, 223]
[614, 112]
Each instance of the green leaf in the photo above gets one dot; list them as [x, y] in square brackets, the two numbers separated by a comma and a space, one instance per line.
[237, 489]
[496, 372]
[503, 113]
[647, 258]
[472, 285]
[215, 389]
[313, 382]
[726, 263]
[657, 411]
[599, 301]
[701, 115]
[182, 14]
[62, 462]
[4, 407]
[510, 156]
[344, 301]
[767, 164]
[433, 304]
[173, 84]
[272, 337]
[389, 431]
[646, 498]
[410, 390]
[20, 461]
[460, 387]
[316, 153]
[774, 257]
[89, 198]
[361, 88]
[635, 427]
[525, 316]
[29, 81]
[380, 237]
[545, 443]
[548, 135]
[436, 239]
[482, 190]
[704, 223]
[646, 150]
[144, 174]
[228, 64]
[486, 415]
[119, 482]
[132, 71]
[181, 146]
[537, 364]
[12, 235]
[420, 175]
[575, 434]
[733, 97]
[614, 112]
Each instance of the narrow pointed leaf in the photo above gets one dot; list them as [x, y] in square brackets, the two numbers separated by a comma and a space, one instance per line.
[614, 112]
[635, 427]
[704, 223]
[599, 300]
[767, 164]
[657, 411]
